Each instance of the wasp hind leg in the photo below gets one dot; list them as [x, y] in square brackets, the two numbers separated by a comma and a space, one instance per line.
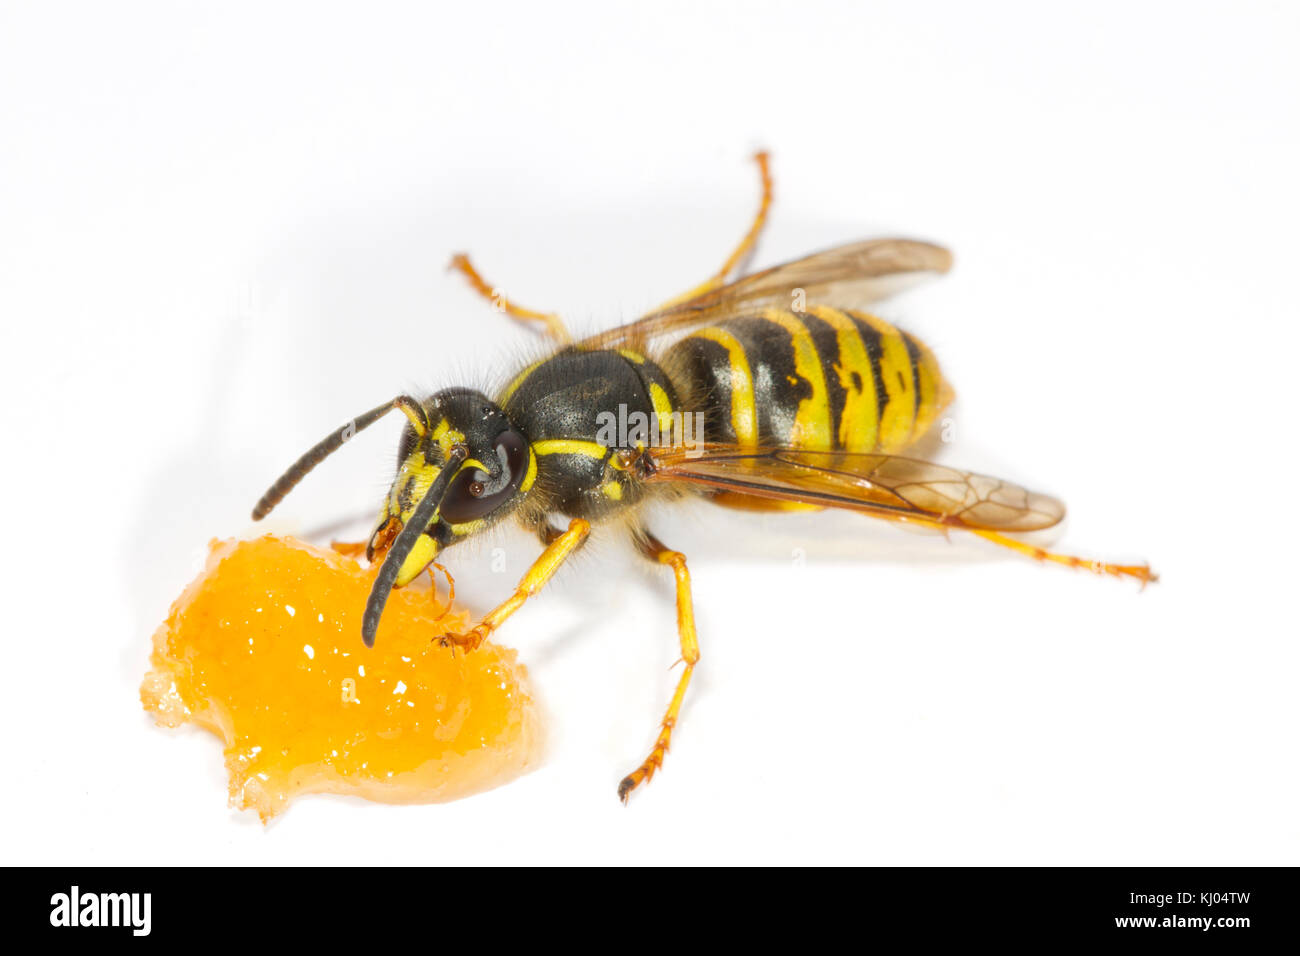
[534, 579]
[656, 550]
[747, 243]
[550, 323]
[1139, 572]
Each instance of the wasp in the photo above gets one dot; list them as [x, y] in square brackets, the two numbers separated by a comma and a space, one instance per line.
[800, 399]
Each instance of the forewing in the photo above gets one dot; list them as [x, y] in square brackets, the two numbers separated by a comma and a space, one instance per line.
[846, 277]
[887, 486]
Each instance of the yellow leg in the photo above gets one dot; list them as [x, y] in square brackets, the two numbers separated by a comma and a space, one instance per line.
[532, 582]
[656, 550]
[554, 325]
[433, 568]
[1142, 572]
[746, 244]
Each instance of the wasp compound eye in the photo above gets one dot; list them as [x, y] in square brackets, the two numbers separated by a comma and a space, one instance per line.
[475, 493]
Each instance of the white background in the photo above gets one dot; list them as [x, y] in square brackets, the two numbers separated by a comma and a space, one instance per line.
[223, 230]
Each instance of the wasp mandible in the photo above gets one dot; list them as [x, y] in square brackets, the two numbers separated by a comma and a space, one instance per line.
[803, 400]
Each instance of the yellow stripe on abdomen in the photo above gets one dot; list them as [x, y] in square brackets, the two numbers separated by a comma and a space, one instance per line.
[812, 421]
[859, 418]
[898, 416]
[744, 413]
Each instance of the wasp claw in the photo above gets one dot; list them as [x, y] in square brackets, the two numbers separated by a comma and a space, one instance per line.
[469, 641]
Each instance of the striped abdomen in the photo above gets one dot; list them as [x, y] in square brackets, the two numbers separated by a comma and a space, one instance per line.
[825, 379]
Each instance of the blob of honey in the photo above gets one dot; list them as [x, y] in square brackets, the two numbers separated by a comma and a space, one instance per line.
[264, 649]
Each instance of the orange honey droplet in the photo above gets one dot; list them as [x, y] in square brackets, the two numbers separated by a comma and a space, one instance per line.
[264, 648]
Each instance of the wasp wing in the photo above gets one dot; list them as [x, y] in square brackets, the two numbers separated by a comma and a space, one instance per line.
[887, 486]
[846, 277]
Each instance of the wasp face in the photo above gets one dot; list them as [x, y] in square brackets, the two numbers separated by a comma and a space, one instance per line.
[463, 450]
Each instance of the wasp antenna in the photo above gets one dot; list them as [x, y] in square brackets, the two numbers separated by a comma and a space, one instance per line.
[326, 447]
[414, 411]
[403, 544]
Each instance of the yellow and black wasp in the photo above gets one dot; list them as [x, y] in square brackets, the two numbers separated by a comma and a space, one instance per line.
[798, 398]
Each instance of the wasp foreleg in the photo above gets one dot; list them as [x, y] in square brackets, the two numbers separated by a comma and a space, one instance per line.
[552, 323]
[657, 551]
[534, 580]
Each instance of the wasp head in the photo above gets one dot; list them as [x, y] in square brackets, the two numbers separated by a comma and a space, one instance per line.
[460, 451]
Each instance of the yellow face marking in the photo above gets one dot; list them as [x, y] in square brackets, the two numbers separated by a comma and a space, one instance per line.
[399, 489]
[446, 436]
[899, 413]
[812, 420]
[425, 550]
[859, 419]
[418, 477]
[568, 446]
[744, 414]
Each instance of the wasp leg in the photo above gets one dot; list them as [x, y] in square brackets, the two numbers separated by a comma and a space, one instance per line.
[444, 610]
[746, 245]
[532, 582]
[656, 550]
[1141, 572]
[554, 325]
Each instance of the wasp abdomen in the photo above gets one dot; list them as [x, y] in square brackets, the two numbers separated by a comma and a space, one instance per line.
[825, 379]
